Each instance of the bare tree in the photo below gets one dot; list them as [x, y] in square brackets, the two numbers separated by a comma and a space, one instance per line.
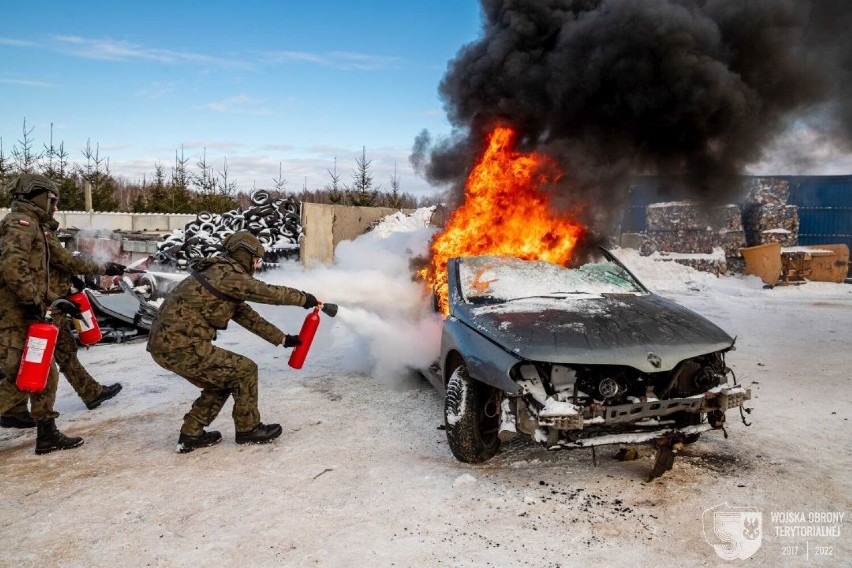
[280, 182]
[57, 159]
[24, 155]
[96, 172]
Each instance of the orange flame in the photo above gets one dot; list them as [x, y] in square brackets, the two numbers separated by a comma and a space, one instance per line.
[504, 213]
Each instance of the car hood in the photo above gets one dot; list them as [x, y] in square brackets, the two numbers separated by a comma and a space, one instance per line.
[643, 331]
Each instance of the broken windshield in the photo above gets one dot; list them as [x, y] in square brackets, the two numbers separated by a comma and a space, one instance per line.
[501, 279]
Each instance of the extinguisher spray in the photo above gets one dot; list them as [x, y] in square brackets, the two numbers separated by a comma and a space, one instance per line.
[38, 355]
[306, 335]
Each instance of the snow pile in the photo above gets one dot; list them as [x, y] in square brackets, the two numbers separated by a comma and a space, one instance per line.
[363, 476]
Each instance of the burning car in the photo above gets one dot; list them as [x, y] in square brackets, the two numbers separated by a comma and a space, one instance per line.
[575, 357]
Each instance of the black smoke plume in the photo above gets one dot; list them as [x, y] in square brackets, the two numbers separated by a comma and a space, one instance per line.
[692, 91]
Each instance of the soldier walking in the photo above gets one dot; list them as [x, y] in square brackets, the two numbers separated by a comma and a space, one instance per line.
[63, 265]
[24, 292]
[181, 339]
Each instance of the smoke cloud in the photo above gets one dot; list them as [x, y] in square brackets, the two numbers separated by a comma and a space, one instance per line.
[693, 91]
[384, 316]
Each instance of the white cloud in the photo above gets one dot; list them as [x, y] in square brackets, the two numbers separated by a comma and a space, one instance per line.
[113, 50]
[26, 83]
[336, 59]
[239, 104]
[16, 42]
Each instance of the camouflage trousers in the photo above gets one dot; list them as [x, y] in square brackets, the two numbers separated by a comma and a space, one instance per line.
[219, 373]
[65, 356]
[11, 398]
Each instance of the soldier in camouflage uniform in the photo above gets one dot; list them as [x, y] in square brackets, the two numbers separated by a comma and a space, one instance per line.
[181, 339]
[24, 292]
[62, 266]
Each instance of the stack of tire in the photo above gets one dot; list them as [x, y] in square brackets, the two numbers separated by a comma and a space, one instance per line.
[275, 222]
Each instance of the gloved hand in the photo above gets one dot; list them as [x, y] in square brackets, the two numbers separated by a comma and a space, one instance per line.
[291, 341]
[114, 269]
[310, 301]
[77, 282]
[67, 307]
[33, 311]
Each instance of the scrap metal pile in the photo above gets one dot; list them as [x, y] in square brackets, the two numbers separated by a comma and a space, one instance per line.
[767, 217]
[275, 222]
[708, 240]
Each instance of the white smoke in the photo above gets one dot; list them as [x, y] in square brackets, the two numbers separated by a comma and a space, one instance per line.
[383, 312]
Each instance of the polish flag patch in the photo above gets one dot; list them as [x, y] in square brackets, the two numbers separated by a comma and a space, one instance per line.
[24, 222]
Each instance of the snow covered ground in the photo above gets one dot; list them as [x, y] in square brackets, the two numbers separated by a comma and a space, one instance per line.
[363, 476]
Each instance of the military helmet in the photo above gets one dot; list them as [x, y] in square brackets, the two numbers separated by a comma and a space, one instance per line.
[243, 240]
[28, 185]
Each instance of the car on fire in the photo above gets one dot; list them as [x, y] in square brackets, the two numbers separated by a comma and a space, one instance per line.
[574, 357]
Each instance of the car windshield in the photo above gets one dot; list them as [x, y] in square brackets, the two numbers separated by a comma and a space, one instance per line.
[500, 279]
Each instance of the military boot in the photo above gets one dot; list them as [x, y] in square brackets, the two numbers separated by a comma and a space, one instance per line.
[19, 420]
[260, 434]
[187, 443]
[107, 392]
[49, 438]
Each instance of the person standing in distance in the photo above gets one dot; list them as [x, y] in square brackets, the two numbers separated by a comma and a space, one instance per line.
[181, 339]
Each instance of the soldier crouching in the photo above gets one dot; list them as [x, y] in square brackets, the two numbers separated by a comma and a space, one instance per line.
[182, 334]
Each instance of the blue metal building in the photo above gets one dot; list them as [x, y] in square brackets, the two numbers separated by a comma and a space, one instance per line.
[824, 206]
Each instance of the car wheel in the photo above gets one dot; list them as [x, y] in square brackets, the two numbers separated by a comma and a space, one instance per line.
[683, 419]
[472, 418]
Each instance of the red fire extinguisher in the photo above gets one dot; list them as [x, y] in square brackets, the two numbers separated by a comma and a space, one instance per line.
[306, 335]
[37, 357]
[88, 329]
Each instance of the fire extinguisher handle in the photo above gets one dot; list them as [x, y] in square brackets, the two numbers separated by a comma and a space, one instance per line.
[67, 307]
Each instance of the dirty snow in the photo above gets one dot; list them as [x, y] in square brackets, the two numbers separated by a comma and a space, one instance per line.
[362, 475]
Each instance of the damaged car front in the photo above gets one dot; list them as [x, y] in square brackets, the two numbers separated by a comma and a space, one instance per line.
[574, 358]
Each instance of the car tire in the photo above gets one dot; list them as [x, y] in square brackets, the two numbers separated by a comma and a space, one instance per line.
[471, 432]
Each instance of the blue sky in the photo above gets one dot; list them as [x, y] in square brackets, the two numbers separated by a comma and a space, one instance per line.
[257, 83]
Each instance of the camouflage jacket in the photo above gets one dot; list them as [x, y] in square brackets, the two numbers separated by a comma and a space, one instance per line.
[191, 313]
[24, 259]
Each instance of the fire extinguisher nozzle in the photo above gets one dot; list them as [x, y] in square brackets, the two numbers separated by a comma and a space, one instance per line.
[329, 309]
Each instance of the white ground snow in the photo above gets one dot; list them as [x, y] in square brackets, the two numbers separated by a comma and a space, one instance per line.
[363, 476]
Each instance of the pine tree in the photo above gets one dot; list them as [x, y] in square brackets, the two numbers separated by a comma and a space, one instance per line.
[394, 199]
[24, 156]
[335, 195]
[180, 198]
[362, 193]
[96, 173]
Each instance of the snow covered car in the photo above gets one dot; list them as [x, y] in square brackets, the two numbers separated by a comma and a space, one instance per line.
[574, 358]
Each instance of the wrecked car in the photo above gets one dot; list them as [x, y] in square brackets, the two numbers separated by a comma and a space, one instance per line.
[125, 306]
[575, 357]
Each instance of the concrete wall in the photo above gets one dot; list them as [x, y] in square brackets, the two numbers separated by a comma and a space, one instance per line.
[327, 225]
[98, 221]
[324, 225]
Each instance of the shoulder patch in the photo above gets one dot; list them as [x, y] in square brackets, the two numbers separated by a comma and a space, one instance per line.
[24, 222]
